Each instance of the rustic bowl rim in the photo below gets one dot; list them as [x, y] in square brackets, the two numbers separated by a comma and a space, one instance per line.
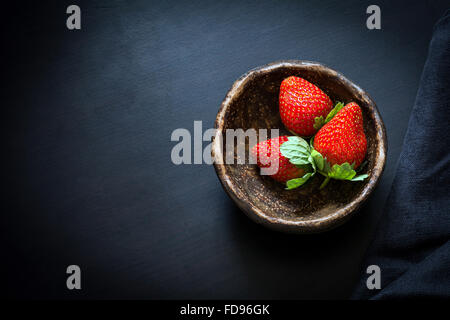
[279, 223]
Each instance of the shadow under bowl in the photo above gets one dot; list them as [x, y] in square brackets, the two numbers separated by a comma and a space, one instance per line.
[252, 103]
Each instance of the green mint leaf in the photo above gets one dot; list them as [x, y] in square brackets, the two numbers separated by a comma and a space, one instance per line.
[299, 141]
[299, 160]
[334, 111]
[294, 153]
[318, 122]
[295, 183]
[318, 160]
[361, 177]
[342, 172]
[296, 150]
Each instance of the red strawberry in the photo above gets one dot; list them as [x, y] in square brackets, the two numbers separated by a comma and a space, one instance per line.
[300, 103]
[343, 139]
[268, 152]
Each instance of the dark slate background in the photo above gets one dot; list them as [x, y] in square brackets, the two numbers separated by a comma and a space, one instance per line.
[88, 117]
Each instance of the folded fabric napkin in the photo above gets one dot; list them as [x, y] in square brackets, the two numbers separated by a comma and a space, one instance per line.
[411, 246]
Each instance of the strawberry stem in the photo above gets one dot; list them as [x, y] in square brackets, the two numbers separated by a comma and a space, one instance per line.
[324, 183]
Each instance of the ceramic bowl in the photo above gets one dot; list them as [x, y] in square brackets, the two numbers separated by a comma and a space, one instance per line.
[252, 102]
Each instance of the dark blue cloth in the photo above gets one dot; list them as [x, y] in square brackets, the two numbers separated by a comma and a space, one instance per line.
[412, 246]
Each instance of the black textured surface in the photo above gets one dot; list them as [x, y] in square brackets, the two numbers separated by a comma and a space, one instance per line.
[88, 121]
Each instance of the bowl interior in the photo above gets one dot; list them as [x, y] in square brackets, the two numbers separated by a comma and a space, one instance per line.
[253, 103]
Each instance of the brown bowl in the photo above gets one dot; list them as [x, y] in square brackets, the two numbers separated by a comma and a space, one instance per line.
[252, 102]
